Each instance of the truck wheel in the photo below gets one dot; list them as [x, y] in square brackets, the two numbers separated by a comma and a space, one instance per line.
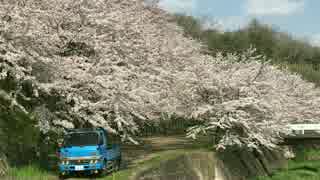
[110, 165]
[116, 165]
[104, 171]
[120, 159]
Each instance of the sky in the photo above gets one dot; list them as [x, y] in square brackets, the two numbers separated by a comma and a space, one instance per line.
[296, 17]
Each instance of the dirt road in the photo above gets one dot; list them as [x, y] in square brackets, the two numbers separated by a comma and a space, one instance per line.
[150, 147]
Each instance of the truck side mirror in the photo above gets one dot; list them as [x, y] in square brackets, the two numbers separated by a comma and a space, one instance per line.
[100, 141]
[109, 146]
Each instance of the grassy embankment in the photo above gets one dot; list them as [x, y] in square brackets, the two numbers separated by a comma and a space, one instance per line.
[306, 166]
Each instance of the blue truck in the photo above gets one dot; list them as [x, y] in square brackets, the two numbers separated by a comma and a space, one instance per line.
[92, 151]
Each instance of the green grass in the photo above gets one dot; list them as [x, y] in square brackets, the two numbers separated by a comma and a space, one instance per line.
[29, 172]
[121, 175]
[307, 71]
[306, 166]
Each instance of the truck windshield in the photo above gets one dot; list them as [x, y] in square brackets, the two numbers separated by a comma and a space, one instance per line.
[82, 139]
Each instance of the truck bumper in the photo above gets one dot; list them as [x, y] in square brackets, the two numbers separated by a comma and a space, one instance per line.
[76, 168]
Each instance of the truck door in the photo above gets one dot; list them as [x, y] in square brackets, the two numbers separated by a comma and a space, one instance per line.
[103, 144]
[110, 149]
[113, 148]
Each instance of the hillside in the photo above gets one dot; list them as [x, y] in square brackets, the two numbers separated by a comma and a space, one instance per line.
[118, 64]
[281, 48]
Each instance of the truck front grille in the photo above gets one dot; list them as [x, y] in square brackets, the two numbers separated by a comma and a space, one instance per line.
[79, 162]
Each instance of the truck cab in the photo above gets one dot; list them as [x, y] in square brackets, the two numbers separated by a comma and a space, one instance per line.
[89, 150]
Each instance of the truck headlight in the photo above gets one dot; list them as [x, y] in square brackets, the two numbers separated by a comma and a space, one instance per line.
[94, 161]
[65, 162]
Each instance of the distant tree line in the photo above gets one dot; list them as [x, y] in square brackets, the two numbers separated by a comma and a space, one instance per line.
[298, 55]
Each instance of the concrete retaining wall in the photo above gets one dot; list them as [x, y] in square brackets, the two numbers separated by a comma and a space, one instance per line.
[242, 164]
[227, 165]
[3, 165]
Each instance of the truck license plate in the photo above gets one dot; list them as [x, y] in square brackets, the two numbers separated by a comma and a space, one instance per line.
[78, 168]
